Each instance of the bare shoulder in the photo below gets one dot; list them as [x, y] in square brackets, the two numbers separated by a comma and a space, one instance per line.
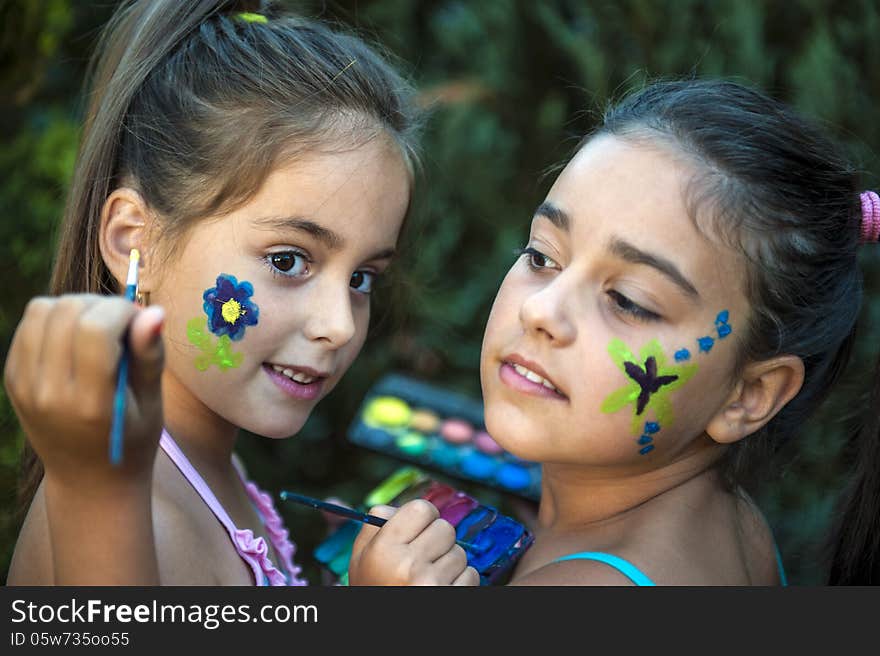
[192, 546]
[580, 572]
[32, 559]
[724, 540]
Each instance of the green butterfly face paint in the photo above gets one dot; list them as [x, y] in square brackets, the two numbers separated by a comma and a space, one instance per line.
[651, 379]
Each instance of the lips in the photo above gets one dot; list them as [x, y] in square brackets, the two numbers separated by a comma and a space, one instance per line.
[530, 372]
[296, 381]
[302, 375]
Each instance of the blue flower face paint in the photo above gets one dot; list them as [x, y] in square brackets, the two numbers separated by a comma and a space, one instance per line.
[229, 307]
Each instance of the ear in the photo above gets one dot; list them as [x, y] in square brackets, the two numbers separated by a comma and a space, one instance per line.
[762, 391]
[125, 224]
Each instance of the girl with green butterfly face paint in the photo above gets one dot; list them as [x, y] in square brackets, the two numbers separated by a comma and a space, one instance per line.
[613, 356]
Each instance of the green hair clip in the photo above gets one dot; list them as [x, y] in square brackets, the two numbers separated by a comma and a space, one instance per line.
[250, 17]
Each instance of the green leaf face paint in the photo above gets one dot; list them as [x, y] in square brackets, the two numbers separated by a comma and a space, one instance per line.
[219, 353]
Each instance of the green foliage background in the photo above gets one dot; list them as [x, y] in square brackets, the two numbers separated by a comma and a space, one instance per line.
[512, 84]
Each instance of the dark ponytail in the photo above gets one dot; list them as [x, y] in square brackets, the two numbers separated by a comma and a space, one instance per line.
[854, 545]
[132, 44]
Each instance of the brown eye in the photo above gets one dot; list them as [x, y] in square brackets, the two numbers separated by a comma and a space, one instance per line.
[289, 263]
[362, 281]
[537, 260]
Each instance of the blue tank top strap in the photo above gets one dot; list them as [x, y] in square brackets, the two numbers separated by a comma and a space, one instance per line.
[783, 580]
[635, 575]
[625, 567]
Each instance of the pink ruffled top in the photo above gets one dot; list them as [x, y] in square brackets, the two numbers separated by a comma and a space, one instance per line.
[253, 550]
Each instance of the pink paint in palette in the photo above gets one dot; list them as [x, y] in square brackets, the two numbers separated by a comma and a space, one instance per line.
[441, 430]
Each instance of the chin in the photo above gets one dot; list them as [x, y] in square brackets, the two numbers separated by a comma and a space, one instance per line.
[276, 430]
[511, 432]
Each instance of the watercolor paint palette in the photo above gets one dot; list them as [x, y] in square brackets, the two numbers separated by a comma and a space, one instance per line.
[441, 430]
[493, 542]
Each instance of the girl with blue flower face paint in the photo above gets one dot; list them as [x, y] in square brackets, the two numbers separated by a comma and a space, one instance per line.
[264, 210]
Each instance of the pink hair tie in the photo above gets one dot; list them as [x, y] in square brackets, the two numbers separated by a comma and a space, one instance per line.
[870, 216]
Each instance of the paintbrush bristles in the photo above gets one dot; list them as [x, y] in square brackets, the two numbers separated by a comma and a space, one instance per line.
[133, 259]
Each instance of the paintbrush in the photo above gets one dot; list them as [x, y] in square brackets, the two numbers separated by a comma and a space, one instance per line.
[131, 284]
[366, 518]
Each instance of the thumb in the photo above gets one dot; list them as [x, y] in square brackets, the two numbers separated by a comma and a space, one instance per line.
[147, 351]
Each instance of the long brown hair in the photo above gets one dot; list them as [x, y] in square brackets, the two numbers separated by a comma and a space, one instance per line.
[193, 104]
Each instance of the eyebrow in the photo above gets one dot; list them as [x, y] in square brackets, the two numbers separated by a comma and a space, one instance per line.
[330, 239]
[628, 252]
[624, 250]
[556, 216]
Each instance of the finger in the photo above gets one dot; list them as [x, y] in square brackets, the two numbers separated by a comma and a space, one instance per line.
[22, 365]
[409, 521]
[448, 567]
[436, 540]
[368, 531]
[56, 358]
[146, 352]
[469, 577]
[98, 345]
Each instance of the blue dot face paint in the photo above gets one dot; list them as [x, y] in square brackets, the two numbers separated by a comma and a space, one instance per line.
[706, 344]
[721, 324]
[682, 354]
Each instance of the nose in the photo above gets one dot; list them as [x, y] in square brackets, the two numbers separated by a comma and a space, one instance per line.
[546, 312]
[330, 316]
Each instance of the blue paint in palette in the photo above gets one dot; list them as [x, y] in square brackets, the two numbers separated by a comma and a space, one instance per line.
[644, 439]
[513, 476]
[334, 549]
[377, 438]
[646, 449]
[444, 455]
[651, 427]
[494, 541]
[478, 465]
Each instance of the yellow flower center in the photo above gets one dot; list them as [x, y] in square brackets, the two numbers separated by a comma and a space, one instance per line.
[231, 310]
